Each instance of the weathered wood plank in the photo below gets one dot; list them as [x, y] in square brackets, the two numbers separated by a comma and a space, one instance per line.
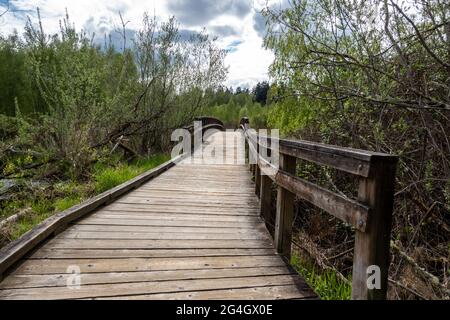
[352, 212]
[166, 229]
[265, 197]
[372, 246]
[176, 217]
[157, 244]
[51, 266]
[140, 288]
[283, 292]
[354, 161]
[155, 213]
[285, 211]
[168, 222]
[17, 281]
[49, 252]
[161, 236]
[174, 207]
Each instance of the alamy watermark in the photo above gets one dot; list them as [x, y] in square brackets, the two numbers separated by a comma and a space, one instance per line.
[74, 278]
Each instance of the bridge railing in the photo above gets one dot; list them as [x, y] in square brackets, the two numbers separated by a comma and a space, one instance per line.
[370, 215]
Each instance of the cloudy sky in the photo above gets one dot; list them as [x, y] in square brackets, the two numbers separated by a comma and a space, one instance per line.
[237, 23]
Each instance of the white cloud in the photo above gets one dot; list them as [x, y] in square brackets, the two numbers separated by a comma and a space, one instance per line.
[248, 62]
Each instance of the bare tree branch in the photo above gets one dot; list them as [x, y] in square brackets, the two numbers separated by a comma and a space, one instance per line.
[7, 8]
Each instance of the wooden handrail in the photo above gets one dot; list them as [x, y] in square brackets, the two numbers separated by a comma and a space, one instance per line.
[370, 215]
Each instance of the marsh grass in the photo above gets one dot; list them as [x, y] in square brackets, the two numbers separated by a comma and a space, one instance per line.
[325, 283]
[106, 178]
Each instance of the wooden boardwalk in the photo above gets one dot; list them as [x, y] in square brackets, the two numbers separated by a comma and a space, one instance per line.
[194, 232]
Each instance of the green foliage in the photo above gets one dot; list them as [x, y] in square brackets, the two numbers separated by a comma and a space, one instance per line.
[371, 75]
[292, 114]
[8, 127]
[72, 99]
[15, 83]
[326, 284]
[231, 107]
[66, 203]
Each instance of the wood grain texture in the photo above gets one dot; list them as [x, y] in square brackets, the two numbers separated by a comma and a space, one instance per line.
[193, 232]
[285, 211]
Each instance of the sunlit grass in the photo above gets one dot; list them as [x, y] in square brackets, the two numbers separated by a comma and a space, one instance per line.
[326, 284]
[108, 178]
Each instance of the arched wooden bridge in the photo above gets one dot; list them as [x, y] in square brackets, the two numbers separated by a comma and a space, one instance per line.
[192, 229]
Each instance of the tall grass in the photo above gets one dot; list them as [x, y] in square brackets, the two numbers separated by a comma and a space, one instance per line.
[106, 178]
[325, 283]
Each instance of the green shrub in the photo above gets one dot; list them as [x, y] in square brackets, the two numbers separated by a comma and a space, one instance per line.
[8, 127]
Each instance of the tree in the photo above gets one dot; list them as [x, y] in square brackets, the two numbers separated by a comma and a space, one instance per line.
[373, 75]
[260, 92]
[88, 98]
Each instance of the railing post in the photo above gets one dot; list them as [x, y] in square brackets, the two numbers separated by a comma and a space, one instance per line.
[257, 172]
[265, 193]
[372, 247]
[265, 197]
[285, 210]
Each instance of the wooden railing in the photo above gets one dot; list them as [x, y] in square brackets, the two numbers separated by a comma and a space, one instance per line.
[370, 215]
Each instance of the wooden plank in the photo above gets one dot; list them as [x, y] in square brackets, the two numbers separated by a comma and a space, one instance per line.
[175, 217]
[52, 266]
[163, 229]
[190, 197]
[354, 161]
[372, 246]
[49, 252]
[285, 211]
[17, 249]
[150, 212]
[164, 195]
[18, 281]
[180, 208]
[265, 197]
[255, 293]
[168, 222]
[186, 202]
[158, 244]
[156, 188]
[140, 288]
[161, 236]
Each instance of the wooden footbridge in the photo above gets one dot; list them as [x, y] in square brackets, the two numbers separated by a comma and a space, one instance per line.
[192, 229]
